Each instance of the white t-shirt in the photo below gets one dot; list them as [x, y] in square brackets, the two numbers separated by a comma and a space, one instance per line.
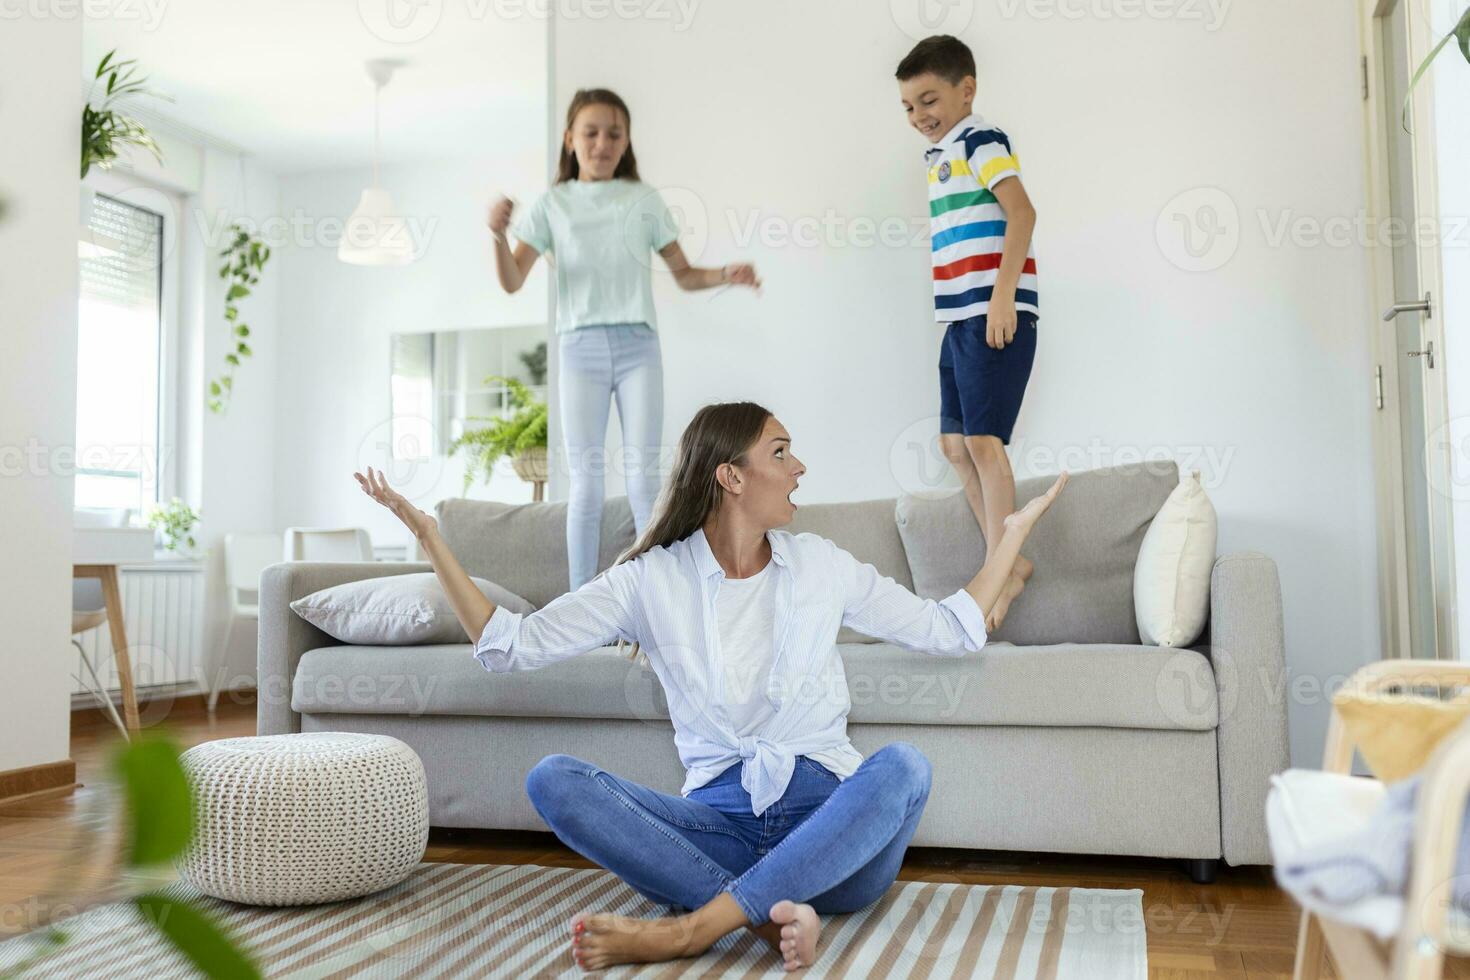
[603, 235]
[745, 615]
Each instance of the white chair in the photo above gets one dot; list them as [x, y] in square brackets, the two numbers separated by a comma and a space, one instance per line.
[1384, 936]
[246, 556]
[88, 611]
[327, 544]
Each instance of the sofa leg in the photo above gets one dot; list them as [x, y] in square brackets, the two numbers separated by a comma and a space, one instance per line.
[1202, 871]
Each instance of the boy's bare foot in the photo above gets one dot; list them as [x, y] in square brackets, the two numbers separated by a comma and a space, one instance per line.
[1013, 587]
[1026, 518]
[601, 941]
[800, 927]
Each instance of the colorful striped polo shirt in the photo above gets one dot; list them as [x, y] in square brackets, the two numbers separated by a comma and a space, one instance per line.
[967, 225]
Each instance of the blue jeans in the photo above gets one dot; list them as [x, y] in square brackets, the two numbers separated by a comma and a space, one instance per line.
[835, 845]
[597, 364]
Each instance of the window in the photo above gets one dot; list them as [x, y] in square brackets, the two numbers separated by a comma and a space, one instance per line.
[119, 348]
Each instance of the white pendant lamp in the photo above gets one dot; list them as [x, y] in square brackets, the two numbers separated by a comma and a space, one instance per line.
[376, 234]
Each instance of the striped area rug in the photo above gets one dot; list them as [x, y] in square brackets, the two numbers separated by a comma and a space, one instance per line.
[481, 920]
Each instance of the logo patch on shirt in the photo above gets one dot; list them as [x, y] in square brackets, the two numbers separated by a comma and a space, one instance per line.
[944, 171]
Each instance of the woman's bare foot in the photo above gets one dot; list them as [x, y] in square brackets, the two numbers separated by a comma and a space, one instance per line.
[1024, 568]
[601, 941]
[800, 927]
[1014, 586]
[1026, 518]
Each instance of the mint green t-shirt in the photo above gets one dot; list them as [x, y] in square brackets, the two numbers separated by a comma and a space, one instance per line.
[601, 236]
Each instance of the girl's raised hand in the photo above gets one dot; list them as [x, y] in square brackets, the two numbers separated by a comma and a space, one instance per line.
[375, 486]
[741, 274]
[499, 219]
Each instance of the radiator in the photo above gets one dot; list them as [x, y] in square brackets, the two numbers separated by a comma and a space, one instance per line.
[163, 612]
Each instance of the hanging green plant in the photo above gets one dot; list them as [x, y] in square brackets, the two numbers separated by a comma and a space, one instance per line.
[244, 260]
[105, 129]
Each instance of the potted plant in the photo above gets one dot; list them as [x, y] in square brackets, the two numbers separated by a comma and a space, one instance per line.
[520, 435]
[176, 520]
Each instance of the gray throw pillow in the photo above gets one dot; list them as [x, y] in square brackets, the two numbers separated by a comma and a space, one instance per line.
[396, 610]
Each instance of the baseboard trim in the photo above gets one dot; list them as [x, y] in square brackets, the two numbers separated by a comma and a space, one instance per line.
[29, 780]
[179, 706]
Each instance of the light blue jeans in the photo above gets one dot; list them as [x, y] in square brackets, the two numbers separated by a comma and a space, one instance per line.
[837, 846]
[598, 364]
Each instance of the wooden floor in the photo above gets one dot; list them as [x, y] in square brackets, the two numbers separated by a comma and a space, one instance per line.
[56, 850]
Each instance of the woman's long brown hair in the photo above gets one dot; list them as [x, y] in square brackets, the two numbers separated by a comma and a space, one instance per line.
[566, 167]
[719, 433]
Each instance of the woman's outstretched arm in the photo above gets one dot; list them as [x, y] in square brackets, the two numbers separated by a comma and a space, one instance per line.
[596, 615]
[878, 606]
[469, 603]
[1000, 560]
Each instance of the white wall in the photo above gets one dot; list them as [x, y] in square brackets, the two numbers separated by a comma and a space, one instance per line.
[336, 320]
[237, 450]
[1451, 80]
[40, 69]
[1255, 372]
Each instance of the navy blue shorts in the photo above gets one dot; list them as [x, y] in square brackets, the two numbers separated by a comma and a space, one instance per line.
[980, 388]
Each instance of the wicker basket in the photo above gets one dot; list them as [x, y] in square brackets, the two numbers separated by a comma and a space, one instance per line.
[530, 464]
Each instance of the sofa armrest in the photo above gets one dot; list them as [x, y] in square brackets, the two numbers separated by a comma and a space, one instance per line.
[285, 636]
[1248, 653]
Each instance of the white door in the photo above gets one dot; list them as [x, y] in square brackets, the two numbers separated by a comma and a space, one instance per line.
[1409, 374]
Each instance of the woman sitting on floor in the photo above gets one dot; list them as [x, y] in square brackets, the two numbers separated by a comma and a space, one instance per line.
[780, 820]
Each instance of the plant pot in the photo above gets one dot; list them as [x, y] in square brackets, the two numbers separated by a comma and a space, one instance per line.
[530, 464]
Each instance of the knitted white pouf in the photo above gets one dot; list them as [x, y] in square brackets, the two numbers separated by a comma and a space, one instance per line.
[302, 819]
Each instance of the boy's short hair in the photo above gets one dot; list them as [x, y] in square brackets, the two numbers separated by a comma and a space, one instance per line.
[943, 55]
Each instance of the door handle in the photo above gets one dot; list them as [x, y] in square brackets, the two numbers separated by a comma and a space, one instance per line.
[1424, 306]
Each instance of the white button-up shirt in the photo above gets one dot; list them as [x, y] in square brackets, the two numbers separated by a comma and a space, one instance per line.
[665, 600]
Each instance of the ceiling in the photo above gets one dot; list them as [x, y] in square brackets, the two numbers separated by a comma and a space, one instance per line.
[284, 79]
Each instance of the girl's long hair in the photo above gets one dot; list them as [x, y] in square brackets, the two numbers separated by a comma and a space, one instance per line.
[566, 167]
[719, 433]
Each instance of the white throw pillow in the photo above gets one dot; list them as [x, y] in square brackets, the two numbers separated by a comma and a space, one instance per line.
[396, 610]
[1171, 582]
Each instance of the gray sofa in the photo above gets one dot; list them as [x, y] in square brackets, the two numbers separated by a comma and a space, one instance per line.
[1063, 734]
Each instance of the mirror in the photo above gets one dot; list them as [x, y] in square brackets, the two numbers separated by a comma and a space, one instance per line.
[438, 381]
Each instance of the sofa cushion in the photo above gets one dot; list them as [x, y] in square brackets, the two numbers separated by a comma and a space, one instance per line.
[1084, 550]
[523, 547]
[1171, 580]
[395, 610]
[1065, 685]
[869, 531]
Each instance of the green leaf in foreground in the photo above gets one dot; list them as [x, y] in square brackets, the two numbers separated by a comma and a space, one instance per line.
[160, 808]
[194, 935]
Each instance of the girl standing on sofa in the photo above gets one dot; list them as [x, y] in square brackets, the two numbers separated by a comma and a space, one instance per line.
[780, 819]
[602, 224]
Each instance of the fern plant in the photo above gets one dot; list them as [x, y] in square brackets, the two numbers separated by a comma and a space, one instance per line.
[507, 435]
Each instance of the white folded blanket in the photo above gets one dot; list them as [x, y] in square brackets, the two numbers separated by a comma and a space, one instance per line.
[1372, 862]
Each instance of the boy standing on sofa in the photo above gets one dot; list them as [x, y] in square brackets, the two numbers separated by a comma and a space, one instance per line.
[984, 281]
